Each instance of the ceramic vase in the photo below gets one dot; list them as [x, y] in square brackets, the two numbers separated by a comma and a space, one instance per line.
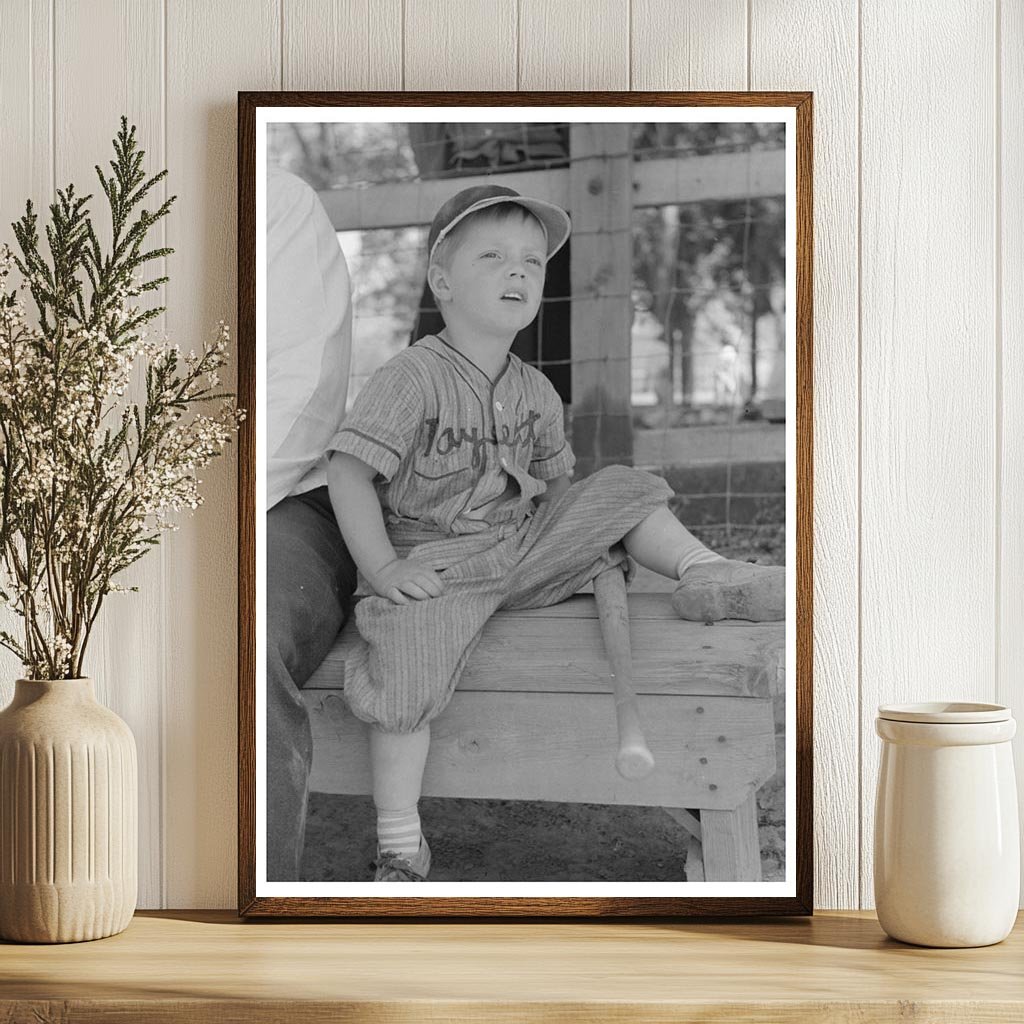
[947, 846]
[68, 815]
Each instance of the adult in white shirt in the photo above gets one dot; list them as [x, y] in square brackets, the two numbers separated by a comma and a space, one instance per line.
[310, 575]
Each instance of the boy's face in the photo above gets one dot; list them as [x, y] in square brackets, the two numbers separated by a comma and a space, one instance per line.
[495, 277]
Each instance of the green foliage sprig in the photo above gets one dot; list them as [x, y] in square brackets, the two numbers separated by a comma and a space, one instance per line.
[88, 477]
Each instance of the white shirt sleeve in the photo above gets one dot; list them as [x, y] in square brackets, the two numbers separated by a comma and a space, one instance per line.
[309, 334]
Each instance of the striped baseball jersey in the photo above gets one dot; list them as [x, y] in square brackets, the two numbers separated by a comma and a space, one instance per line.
[453, 450]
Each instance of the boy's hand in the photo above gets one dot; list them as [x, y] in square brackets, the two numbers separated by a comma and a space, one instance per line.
[404, 578]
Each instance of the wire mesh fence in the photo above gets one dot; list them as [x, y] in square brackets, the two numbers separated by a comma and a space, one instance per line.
[663, 321]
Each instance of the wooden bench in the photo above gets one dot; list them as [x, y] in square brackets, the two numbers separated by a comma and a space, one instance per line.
[534, 719]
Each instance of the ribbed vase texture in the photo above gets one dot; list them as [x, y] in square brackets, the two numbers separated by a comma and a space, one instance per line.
[68, 815]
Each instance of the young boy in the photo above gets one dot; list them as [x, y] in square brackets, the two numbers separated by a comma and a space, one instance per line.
[450, 482]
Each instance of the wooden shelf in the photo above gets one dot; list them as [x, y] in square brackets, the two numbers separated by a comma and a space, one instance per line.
[208, 966]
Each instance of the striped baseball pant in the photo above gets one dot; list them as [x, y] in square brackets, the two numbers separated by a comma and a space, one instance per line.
[407, 664]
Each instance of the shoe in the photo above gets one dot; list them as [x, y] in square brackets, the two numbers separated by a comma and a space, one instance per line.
[393, 867]
[731, 589]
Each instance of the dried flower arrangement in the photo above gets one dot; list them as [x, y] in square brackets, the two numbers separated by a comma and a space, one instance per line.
[88, 477]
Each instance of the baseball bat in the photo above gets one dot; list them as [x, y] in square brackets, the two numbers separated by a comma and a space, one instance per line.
[633, 760]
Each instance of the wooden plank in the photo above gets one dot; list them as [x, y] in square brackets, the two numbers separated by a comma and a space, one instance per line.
[511, 746]
[460, 44]
[655, 182]
[213, 51]
[696, 179]
[26, 108]
[534, 654]
[404, 204]
[127, 665]
[651, 605]
[342, 44]
[26, 120]
[1010, 261]
[731, 851]
[574, 44]
[814, 46]
[694, 860]
[685, 818]
[601, 204]
[211, 968]
[647, 604]
[699, 44]
[928, 518]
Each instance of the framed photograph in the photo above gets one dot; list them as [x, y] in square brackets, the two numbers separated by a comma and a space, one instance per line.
[525, 504]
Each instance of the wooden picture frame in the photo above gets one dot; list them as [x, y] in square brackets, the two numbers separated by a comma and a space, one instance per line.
[727, 833]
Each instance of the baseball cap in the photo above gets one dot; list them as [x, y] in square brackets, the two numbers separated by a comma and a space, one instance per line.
[553, 218]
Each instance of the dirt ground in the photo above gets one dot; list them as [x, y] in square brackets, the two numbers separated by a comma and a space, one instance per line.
[519, 841]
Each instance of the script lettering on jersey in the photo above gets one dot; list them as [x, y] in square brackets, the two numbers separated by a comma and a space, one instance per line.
[521, 435]
[450, 439]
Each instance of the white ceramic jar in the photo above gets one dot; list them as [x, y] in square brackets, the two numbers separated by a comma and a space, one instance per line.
[947, 846]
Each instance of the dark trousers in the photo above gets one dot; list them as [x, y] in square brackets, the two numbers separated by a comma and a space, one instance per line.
[310, 582]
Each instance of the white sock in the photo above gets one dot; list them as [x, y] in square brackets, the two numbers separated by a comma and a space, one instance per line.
[399, 831]
[696, 554]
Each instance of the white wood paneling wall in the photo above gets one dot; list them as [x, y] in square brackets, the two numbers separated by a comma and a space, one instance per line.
[1009, 345]
[919, 317]
[928, 515]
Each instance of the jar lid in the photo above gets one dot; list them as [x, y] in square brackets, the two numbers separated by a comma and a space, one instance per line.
[945, 713]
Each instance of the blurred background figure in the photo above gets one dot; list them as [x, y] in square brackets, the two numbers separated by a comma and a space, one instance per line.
[310, 576]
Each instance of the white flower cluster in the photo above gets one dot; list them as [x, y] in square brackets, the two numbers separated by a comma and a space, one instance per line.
[86, 473]
[172, 482]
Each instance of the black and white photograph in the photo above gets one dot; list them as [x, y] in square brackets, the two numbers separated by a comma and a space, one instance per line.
[525, 469]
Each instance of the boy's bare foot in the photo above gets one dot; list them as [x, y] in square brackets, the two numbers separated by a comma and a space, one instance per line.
[392, 867]
[730, 589]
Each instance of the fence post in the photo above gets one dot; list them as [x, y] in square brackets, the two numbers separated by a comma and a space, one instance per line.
[601, 205]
